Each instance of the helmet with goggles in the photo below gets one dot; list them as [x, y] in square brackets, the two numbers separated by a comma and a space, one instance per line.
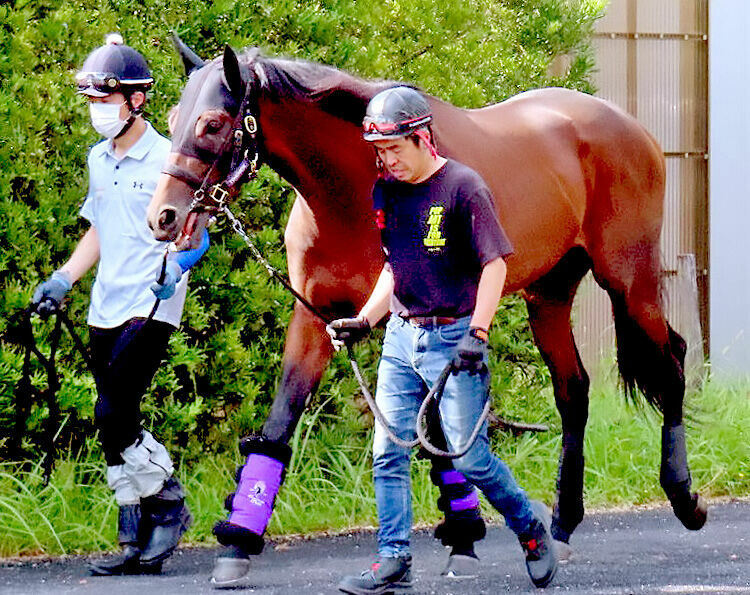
[395, 112]
[113, 67]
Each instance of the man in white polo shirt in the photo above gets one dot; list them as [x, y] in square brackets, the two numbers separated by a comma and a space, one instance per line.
[126, 345]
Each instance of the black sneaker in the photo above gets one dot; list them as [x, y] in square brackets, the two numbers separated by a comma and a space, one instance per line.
[538, 545]
[386, 575]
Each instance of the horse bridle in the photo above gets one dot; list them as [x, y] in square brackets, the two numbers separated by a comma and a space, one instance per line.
[243, 165]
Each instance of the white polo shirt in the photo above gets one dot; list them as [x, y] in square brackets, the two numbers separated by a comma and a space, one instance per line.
[130, 258]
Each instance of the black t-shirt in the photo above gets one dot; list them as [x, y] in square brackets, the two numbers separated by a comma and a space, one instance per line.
[438, 234]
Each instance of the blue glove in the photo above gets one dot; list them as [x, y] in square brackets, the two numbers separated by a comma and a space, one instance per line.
[178, 263]
[49, 295]
[187, 258]
[172, 276]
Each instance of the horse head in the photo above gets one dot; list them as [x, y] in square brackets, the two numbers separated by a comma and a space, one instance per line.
[214, 146]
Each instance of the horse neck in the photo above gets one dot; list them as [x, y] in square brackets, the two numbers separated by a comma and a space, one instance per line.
[323, 157]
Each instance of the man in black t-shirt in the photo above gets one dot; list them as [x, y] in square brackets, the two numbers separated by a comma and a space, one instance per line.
[442, 282]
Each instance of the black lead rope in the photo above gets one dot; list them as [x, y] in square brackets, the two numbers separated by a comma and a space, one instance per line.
[160, 280]
[27, 393]
[435, 392]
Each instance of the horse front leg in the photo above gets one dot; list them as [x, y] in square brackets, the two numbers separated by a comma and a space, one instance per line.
[307, 352]
[549, 301]
[551, 327]
[306, 355]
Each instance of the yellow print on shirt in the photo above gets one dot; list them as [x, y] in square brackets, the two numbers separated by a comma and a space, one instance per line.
[434, 239]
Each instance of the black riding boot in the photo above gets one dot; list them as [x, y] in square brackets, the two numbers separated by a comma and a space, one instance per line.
[169, 516]
[127, 561]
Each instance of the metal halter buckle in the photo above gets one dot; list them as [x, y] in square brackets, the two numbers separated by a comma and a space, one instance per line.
[219, 195]
[251, 125]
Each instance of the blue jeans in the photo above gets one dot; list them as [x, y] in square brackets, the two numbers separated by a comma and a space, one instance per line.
[412, 359]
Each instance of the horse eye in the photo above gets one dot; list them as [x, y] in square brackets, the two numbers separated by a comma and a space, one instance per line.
[213, 126]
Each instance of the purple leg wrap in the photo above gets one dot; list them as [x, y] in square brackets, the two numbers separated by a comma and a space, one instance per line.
[252, 504]
[459, 501]
[451, 477]
[466, 503]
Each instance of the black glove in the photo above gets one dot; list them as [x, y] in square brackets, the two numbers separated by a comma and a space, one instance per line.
[49, 295]
[347, 331]
[471, 352]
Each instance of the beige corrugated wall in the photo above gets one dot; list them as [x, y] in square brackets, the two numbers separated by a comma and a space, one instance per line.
[652, 60]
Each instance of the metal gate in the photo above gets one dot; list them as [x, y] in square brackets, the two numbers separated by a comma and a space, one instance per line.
[652, 60]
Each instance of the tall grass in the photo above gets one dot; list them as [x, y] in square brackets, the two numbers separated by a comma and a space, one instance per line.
[329, 482]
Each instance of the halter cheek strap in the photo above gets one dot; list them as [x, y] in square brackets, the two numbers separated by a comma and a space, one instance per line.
[243, 165]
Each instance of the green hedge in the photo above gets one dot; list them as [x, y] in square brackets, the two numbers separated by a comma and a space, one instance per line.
[225, 359]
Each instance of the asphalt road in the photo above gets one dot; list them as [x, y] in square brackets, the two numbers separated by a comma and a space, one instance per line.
[638, 551]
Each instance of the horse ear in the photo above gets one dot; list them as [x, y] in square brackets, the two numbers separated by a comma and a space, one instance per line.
[190, 59]
[233, 73]
[172, 118]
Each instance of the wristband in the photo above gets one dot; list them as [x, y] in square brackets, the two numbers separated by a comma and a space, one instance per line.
[479, 333]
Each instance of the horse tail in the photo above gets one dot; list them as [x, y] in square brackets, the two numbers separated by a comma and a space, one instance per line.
[647, 367]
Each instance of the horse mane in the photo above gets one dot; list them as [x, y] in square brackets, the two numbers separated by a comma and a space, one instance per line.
[334, 91]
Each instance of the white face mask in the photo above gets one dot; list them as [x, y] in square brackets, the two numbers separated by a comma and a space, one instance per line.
[105, 118]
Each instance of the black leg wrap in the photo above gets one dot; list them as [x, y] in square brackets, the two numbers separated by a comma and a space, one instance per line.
[568, 510]
[259, 445]
[257, 487]
[674, 475]
[461, 531]
[675, 479]
[230, 534]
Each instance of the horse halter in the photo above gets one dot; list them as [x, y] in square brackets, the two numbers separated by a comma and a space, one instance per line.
[243, 166]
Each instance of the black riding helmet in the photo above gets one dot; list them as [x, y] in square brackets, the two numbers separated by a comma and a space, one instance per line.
[113, 67]
[395, 112]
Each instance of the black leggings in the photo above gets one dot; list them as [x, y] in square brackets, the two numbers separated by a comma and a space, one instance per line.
[125, 360]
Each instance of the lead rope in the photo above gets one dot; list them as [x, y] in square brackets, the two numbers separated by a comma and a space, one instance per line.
[23, 334]
[25, 390]
[435, 392]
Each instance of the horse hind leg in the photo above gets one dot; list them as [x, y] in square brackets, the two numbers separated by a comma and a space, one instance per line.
[549, 301]
[651, 357]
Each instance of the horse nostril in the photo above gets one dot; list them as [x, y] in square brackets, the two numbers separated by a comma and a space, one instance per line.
[167, 217]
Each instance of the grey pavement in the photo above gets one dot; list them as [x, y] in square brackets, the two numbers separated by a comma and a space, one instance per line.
[635, 551]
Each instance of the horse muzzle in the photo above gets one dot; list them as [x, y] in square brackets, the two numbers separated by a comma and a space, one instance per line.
[171, 217]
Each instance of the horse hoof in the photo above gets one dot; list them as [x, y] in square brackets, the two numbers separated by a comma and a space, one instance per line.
[564, 551]
[460, 566]
[228, 572]
[696, 518]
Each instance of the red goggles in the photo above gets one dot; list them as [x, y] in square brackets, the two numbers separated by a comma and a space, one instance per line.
[394, 128]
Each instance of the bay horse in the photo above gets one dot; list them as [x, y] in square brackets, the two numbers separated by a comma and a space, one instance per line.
[578, 186]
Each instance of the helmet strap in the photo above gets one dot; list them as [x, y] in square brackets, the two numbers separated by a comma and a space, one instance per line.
[426, 135]
[379, 165]
[134, 113]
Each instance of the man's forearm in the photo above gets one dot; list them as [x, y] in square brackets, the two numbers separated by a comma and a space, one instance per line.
[84, 256]
[491, 283]
[379, 301]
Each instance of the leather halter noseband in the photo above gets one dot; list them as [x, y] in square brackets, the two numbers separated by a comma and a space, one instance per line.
[243, 166]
